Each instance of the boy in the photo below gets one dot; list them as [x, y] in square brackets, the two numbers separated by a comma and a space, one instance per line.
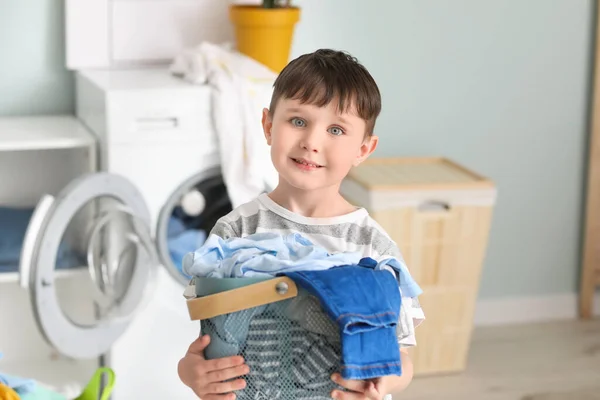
[319, 125]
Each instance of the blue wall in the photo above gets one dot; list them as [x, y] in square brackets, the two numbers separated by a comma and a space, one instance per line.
[500, 86]
[33, 79]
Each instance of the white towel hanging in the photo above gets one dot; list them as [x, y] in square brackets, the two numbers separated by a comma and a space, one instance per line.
[242, 87]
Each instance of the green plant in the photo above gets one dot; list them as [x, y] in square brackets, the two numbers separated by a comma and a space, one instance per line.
[276, 3]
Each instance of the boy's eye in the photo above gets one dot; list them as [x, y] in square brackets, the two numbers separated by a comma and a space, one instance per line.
[298, 122]
[335, 130]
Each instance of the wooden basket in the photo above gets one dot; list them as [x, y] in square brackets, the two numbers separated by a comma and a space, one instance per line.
[439, 214]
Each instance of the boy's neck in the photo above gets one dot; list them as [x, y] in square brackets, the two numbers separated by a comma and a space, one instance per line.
[320, 203]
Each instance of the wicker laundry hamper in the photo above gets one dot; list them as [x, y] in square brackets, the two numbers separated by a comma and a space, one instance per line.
[440, 215]
[290, 344]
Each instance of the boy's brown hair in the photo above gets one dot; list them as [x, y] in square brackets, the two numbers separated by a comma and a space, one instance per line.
[320, 77]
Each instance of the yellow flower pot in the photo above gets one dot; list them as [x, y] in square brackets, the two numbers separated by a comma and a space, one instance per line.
[265, 34]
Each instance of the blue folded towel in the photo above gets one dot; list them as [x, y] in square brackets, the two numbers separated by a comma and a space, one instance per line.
[13, 225]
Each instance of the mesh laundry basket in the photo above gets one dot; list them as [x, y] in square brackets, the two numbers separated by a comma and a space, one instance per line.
[291, 346]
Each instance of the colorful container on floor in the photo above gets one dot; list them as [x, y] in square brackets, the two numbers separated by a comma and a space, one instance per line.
[439, 214]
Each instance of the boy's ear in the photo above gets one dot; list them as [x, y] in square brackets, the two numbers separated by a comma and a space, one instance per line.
[267, 124]
[366, 149]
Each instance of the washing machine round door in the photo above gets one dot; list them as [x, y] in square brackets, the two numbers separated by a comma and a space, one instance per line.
[178, 231]
[101, 223]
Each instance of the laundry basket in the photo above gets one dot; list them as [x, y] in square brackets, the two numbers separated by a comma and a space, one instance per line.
[290, 344]
[439, 213]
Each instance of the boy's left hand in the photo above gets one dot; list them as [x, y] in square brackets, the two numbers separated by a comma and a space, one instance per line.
[359, 390]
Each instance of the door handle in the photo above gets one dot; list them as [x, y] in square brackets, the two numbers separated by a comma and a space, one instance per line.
[434, 206]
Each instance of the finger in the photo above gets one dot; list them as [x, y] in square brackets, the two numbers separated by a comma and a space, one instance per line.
[226, 387]
[224, 363]
[198, 345]
[228, 396]
[341, 395]
[350, 384]
[371, 391]
[228, 373]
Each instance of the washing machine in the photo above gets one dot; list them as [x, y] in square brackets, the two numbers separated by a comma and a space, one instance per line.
[155, 131]
[154, 195]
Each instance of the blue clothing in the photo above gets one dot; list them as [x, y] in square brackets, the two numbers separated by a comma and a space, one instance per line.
[182, 244]
[22, 386]
[175, 227]
[406, 283]
[181, 241]
[41, 393]
[365, 303]
[261, 254]
[268, 254]
[13, 226]
[358, 294]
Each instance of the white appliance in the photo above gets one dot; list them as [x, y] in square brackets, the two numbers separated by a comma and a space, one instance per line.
[114, 33]
[108, 183]
[156, 132]
[42, 156]
[142, 138]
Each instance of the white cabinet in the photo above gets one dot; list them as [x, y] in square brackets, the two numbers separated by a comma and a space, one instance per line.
[112, 33]
[63, 300]
[38, 155]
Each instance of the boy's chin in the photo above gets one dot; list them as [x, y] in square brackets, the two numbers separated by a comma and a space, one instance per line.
[307, 184]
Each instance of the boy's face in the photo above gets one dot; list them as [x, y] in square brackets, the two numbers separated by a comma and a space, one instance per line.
[314, 147]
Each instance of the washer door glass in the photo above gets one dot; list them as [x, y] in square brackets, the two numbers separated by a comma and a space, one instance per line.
[101, 224]
[187, 218]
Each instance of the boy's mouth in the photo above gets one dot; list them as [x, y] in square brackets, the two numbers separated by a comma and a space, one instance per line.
[307, 163]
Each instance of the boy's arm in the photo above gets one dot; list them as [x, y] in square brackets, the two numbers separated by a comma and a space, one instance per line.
[211, 379]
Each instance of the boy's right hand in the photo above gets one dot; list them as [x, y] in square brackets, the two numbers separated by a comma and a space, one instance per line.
[206, 377]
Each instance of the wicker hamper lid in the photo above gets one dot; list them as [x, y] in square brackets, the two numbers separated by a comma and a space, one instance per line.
[416, 173]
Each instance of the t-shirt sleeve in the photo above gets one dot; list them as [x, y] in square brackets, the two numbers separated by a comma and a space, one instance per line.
[223, 229]
[411, 313]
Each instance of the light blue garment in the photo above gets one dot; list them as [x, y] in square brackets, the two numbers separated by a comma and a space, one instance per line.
[183, 243]
[261, 254]
[13, 226]
[407, 284]
[41, 393]
[22, 386]
[270, 254]
[175, 227]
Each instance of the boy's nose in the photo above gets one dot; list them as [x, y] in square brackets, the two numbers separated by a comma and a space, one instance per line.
[311, 142]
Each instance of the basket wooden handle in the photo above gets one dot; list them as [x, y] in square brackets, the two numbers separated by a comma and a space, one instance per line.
[229, 301]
